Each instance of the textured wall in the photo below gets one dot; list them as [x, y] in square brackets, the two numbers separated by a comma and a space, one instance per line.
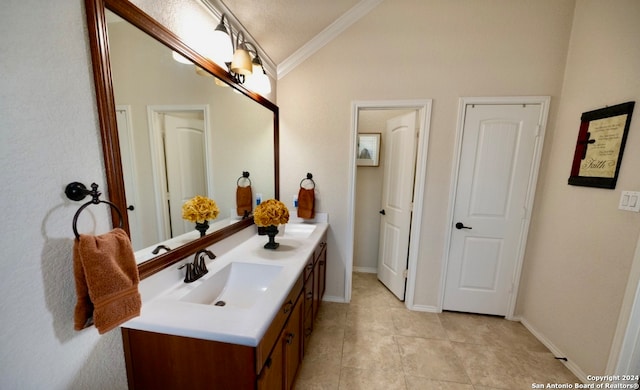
[413, 49]
[49, 137]
[581, 246]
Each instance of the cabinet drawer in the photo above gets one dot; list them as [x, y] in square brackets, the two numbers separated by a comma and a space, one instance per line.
[273, 333]
[307, 329]
[319, 248]
[308, 268]
[308, 294]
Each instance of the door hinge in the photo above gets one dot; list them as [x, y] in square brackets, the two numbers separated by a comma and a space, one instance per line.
[405, 273]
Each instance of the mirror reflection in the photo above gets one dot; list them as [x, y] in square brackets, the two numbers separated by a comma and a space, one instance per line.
[181, 135]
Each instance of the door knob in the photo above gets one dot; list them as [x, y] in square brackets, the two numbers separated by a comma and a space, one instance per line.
[460, 225]
[382, 212]
[131, 208]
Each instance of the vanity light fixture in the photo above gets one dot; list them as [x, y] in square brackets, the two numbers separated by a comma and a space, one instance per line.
[241, 64]
[222, 44]
[258, 81]
[244, 68]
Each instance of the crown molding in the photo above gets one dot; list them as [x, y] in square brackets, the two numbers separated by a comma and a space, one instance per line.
[327, 35]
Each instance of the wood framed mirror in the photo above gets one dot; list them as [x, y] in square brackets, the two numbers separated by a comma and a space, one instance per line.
[105, 77]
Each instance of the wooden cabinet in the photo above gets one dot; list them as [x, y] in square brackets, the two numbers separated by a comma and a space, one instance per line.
[291, 341]
[156, 360]
[315, 284]
[282, 364]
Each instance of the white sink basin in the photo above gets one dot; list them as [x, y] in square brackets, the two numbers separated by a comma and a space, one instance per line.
[237, 285]
[299, 230]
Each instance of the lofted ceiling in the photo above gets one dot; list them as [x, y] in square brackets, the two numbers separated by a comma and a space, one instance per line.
[285, 28]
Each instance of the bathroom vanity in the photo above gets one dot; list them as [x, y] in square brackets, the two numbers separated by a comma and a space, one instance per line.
[244, 325]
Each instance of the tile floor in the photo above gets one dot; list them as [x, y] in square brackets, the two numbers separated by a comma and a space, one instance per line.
[376, 343]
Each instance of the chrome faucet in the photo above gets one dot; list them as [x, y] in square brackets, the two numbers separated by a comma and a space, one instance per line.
[197, 268]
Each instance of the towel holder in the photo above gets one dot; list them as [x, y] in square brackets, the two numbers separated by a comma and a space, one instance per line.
[245, 175]
[310, 178]
[78, 191]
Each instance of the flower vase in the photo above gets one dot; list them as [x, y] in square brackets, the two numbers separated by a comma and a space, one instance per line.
[202, 227]
[271, 231]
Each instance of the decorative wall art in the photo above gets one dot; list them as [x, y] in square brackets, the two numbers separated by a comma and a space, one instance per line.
[600, 145]
[368, 149]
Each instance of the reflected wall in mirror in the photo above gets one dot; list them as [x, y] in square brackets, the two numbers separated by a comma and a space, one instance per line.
[179, 134]
[187, 136]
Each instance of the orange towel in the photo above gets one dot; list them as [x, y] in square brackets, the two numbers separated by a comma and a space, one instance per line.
[107, 279]
[306, 203]
[244, 200]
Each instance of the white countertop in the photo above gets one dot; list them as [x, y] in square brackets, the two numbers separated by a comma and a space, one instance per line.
[166, 313]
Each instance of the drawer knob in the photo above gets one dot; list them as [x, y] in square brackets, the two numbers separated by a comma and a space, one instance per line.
[289, 338]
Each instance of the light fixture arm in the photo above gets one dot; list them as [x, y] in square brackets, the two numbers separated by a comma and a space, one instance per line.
[240, 41]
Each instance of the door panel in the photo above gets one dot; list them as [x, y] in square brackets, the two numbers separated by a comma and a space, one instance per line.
[496, 160]
[480, 263]
[397, 193]
[185, 163]
[493, 171]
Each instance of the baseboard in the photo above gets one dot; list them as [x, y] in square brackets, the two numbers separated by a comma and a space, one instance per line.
[366, 270]
[554, 350]
[330, 298]
[425, 308]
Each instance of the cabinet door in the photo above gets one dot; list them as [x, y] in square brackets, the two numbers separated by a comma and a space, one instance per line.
[319, 272]
[322, 268]
[271, 377]
[292, 344]
[316, 289]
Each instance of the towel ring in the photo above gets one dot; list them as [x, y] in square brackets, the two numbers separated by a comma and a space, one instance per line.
[245, 175]
[78, 191]
[310, 178]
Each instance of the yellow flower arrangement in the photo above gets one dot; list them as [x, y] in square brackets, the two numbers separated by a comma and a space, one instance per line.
[200, 209]
[271, 212]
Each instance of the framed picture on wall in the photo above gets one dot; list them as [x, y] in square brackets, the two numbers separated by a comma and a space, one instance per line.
[368, 149]
[601, 140]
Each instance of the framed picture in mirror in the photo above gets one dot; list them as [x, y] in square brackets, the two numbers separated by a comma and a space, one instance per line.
[368, 153]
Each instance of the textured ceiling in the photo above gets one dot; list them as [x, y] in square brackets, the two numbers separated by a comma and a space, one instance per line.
[283, 26]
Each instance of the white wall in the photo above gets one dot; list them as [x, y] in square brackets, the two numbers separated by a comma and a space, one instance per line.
[49, 137]
[581, 246]
[413, 49]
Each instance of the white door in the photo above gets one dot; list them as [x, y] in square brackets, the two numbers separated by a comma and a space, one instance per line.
[498, 153]
[185, 164]
[127, 156]
[397, 192]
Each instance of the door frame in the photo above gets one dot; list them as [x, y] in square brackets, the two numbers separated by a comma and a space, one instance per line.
[157, 158]
[625, 347]
[423, 106]
[463, 102]
[134, 220]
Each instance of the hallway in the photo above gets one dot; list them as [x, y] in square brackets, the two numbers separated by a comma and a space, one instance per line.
[376, 343]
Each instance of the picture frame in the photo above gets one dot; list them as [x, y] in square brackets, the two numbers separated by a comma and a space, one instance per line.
[600, 146]
[368, 149]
